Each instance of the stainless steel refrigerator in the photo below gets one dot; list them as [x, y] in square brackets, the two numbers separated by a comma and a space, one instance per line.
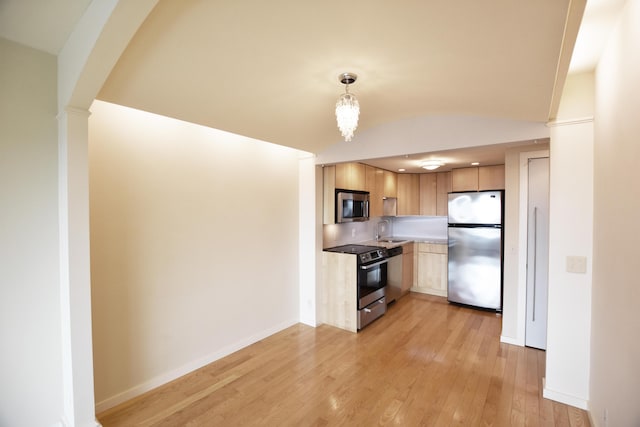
[475, 249]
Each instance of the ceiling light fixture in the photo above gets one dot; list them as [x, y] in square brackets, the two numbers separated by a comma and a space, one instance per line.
[431, 164]
[347, 108]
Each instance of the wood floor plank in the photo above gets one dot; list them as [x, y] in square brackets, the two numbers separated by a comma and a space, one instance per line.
[545, 405]
[426, 362]
[519, 396]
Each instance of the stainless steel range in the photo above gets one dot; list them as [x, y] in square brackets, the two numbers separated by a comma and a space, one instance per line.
[371, 282]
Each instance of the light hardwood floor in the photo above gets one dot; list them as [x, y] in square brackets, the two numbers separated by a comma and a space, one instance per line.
[425, 362]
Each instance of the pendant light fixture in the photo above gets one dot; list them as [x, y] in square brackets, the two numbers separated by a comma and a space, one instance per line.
[347, 108]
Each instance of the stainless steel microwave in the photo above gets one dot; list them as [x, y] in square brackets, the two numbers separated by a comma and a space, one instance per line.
[352, 206]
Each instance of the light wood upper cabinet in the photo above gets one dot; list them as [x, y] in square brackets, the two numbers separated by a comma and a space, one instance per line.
[434, 188]
[350, 176]
[428, 194]
[390, 188]
[329, 195]
[408, 194]
[491, 178]
[478, 178]
[464, 179]
[443, 188]
[374, 184]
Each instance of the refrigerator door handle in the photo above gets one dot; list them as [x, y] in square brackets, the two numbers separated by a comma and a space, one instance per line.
[535, 258]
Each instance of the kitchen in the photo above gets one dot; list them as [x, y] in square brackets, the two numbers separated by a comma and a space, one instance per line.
[390, 219]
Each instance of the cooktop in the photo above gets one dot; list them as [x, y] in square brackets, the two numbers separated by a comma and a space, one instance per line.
[353, 249]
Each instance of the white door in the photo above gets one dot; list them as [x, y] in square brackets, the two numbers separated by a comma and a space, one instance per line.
[537, 253]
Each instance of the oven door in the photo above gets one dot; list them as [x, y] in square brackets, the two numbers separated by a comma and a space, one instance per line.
[372, 279]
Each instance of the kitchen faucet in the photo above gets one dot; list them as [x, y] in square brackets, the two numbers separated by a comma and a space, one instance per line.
[382, 222]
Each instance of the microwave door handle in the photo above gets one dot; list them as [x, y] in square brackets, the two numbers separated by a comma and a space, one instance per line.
[366, 209]
[368, 266]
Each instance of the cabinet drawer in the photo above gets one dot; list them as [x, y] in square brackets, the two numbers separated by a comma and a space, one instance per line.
[371, 312]
[436, 248]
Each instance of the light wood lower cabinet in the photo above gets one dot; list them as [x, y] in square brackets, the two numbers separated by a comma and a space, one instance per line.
[339, 290]
[431, 269]
[407, 268]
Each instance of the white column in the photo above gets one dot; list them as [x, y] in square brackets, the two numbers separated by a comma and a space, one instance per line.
[75, 280]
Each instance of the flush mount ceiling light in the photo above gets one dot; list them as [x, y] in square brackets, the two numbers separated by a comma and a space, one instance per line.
[431, 164]
[347, 108]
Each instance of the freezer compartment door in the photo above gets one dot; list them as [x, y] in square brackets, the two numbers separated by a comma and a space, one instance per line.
[481, 207]
[475, 267]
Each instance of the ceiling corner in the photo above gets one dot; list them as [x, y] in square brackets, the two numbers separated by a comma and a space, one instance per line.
[575, 12]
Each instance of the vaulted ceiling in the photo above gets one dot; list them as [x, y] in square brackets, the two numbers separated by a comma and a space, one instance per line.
[269, 70]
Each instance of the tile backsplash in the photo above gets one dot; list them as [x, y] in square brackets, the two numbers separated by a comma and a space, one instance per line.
[403, 226]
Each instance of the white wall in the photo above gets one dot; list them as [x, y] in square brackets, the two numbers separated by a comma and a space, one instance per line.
[431, 133]
[30, 355]
[570, 234]
[615, 347]
[194, 246]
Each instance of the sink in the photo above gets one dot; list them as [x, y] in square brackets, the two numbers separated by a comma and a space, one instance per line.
[392, 240]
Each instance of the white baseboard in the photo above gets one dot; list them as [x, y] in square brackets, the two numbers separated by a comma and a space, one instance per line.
[189, 367]
[567, 399]
[313, 324]
[512, 341]
[594, 422]
[64, 423]
[435, 292]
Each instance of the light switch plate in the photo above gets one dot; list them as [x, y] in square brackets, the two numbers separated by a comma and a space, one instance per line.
[577, 264]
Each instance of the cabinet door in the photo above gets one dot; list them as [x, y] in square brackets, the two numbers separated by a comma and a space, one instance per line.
[432, 269]
[491, 177]
[408, 194]
[432, 273]
[350, 176]
[428, 194]
[329, 195]
[464, 179]
[390, 184]
[374, 186]
[443, 188]
[407, 268]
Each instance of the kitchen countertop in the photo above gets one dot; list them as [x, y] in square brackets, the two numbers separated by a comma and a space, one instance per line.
[392, 242]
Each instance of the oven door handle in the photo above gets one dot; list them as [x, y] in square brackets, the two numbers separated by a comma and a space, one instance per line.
[368, 266]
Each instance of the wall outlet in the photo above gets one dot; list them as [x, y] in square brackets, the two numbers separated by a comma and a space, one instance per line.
[577, 264]
[353, 232]
[605, 418]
